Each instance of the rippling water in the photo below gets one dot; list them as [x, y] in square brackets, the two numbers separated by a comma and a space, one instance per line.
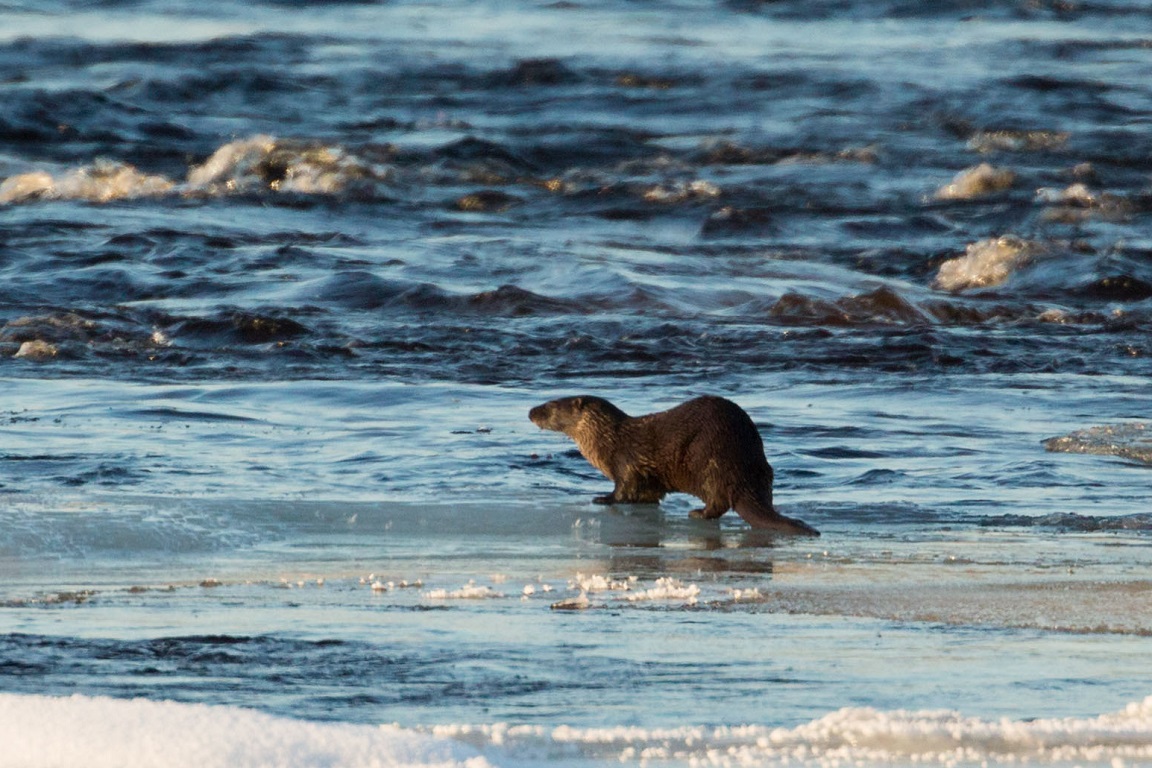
[282, 280]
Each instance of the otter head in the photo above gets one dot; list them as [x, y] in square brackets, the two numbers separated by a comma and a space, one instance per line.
[592, 422]
[573, 415]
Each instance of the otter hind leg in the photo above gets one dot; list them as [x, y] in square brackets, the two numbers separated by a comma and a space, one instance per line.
[712, 510]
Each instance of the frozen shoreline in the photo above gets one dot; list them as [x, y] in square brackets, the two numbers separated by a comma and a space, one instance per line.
[46, 732]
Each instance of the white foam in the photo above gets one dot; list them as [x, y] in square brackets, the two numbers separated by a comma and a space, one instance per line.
[231, 165]
[977, 181]
[1018, 141]
[37, 350]
[266, 162]
[681, 192]
[255, 164]
[667, 588]
[50, 732]
[664, 588]
[596, 582]
[1078, 203]
[986, 263]
[470, 591]
[101, 182]
[1132, 440]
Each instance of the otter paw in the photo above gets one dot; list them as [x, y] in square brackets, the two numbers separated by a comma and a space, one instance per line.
[607, 498]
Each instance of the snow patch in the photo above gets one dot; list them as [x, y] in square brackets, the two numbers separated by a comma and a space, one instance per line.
[95, 732]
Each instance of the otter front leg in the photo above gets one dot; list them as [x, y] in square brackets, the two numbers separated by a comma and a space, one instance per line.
[633, 491]
[619, 497]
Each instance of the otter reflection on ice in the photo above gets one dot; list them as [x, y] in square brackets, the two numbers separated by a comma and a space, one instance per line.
[707, 447]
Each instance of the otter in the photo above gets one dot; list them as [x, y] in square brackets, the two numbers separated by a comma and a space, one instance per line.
[707, 447]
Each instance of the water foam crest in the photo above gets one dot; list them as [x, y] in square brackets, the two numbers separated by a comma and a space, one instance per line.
[1130, 440]
[977, 181]
[986, 263]
[100, 182]
[264, 162]
[259, 163]
[228, 164]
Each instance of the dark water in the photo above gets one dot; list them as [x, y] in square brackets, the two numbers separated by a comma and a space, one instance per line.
[282, 279]
[713, 190]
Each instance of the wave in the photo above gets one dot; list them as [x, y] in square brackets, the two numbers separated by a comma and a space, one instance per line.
[257, 164]
[979, 181]
[1130, 440]
[1070, 521]
[42, 731]
[1011, 265]
[100, 182]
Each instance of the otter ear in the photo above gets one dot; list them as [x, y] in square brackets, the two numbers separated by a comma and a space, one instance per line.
[578, 402]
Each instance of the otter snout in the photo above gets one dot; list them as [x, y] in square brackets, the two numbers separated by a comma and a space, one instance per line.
[560, 415]
[543, 416]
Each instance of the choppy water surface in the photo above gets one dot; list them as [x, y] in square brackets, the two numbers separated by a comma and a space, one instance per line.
[281, 281]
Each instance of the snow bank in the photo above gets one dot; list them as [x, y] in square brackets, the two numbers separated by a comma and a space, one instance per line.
[80, 731]
[46, 732]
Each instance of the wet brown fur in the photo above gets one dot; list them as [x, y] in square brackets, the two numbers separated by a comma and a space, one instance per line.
[707, 447]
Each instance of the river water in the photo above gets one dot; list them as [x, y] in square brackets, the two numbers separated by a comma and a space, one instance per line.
[282, 280]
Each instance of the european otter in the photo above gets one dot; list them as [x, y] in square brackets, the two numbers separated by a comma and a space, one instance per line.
[707, 447]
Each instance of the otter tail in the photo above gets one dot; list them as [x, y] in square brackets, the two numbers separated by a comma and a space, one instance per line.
[763, 516]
